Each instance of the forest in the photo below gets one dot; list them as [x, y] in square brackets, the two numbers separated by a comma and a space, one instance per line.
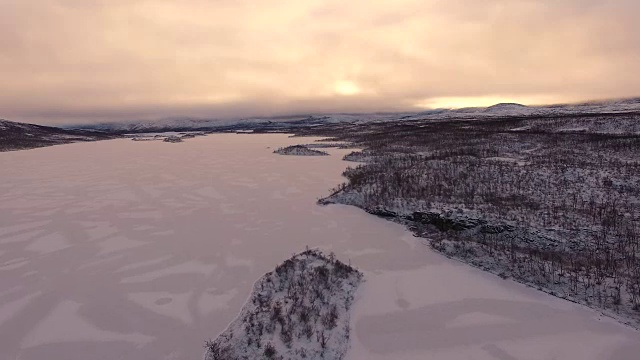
[553, 202]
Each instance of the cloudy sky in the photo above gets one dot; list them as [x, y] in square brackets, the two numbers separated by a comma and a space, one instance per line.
[67, 61]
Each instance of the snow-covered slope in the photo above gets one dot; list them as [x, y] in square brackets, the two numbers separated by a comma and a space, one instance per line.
[17, 136]
[298, 311]
[518, 110]
[508, 108]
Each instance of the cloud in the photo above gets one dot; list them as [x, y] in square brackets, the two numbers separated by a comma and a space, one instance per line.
[91, 60]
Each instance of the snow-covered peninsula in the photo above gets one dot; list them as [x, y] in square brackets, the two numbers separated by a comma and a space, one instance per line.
[298, 311]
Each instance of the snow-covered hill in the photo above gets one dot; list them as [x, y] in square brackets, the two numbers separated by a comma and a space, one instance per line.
[18, 136]
[518, 110]
[298, 311]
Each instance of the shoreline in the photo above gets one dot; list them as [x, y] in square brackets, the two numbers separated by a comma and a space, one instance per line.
[476, 262]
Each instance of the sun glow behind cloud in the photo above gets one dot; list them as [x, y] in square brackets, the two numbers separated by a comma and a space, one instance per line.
[85, 60]
[346, 88]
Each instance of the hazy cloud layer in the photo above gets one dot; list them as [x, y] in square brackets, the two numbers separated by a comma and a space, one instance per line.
[90, 60]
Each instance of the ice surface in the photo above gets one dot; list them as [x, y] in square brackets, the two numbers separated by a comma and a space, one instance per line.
[24, 236]
[49, 243]
[117, 243]
[191, 267]
[165, 303]
[64, 324]
[22, 227]
[477, 318]
[11, 308]
[206, 225]
[210, 300]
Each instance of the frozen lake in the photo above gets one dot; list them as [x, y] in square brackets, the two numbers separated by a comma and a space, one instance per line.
[142, 250]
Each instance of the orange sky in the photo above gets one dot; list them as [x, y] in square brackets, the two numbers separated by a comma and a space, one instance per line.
[67, 61]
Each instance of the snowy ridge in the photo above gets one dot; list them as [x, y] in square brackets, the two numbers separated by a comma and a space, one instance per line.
[280, 123]
[518, 110]
[163, 125]
[200, 124]
[300, 310]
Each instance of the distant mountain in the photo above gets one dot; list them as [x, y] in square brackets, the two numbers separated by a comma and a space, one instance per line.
[507, 106]
[509, 109]
[432, 112]
[284, 123]
[260, 123]
[519, 110]
[20, 136]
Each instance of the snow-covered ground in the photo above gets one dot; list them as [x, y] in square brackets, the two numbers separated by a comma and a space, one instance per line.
[140, 250]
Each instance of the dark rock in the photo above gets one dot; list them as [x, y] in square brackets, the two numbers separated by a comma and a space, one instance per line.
[382, 212]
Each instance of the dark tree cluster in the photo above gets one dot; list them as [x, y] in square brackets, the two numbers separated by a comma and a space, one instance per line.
[301, 150]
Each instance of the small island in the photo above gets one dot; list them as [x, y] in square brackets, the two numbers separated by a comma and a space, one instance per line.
[173, 139]
[300, 150]
[300, 310]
